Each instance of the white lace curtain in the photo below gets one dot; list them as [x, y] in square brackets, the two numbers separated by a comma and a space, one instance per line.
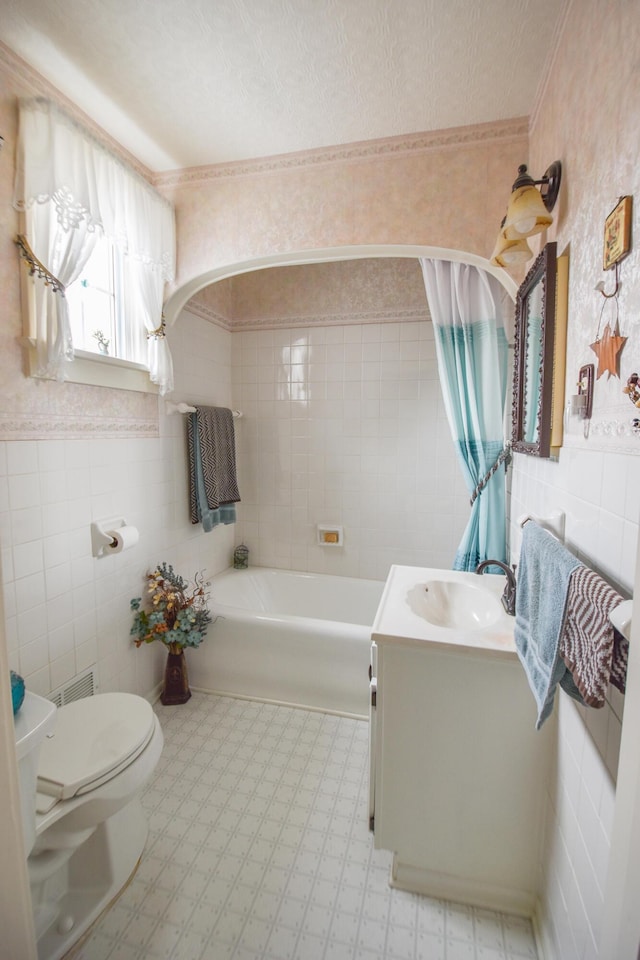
[72, 190]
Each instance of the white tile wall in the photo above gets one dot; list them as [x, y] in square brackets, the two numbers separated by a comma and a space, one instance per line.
[345, 425]
[599, 493]
[65, 610]
[341, 424]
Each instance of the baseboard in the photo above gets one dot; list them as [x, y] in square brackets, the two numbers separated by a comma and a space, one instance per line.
[461, 890]
[280, 703]
[154, 695]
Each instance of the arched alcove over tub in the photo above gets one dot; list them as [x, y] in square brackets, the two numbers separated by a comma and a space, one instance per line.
[344, 420]
[179, 297]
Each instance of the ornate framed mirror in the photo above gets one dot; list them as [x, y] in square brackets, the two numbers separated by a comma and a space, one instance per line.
[533, 360]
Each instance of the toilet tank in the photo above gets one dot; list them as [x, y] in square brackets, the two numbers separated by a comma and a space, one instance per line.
[33, 721]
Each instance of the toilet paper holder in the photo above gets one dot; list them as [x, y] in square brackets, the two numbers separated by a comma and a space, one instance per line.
[102, 535]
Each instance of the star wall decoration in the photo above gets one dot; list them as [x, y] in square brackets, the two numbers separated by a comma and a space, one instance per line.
[606, 350]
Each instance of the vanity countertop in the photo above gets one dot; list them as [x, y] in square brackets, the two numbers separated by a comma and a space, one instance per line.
[404, 617]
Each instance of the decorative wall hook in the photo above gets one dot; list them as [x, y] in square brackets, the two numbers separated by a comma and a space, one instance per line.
[616, 290]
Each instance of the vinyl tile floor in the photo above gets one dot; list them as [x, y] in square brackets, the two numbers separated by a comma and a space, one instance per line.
[259, 849]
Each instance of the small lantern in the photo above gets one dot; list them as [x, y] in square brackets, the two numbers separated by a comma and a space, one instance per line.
[241, 557]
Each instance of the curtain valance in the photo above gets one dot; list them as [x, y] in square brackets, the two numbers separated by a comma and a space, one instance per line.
[59, 161]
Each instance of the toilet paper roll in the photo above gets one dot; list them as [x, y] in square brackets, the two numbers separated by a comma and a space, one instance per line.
[124, 537]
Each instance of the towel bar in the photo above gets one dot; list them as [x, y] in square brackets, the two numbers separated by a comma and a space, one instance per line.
[554, 523]
[620, 617]
[187, 408]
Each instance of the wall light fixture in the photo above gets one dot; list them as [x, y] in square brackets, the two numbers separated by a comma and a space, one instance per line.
[508, 252]
[528, 213]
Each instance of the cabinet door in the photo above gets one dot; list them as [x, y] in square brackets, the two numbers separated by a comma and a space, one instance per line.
[459, 767]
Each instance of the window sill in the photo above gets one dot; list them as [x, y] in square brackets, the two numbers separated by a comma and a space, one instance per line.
[101, 371]
[108, 372]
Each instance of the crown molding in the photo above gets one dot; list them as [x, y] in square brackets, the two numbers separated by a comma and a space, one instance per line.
[318, 320]
[205, 312]
[40, 86]
[287, 323]
[455, 137]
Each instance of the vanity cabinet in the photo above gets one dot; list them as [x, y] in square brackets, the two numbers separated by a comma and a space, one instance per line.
[458, 771]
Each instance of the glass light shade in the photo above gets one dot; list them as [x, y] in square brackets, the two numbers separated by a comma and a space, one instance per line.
[507, 252]
[526, 214]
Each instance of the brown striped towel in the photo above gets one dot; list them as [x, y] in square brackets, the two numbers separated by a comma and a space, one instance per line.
[216, 437]
[592, 652]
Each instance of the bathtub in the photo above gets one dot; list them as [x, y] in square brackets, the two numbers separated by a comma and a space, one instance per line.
[301, 639]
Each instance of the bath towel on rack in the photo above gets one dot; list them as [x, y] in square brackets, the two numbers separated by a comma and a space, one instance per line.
[213, 486]
[544, 573]
[589, 647]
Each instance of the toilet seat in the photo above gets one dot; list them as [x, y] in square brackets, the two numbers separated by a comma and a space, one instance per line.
[93, 740]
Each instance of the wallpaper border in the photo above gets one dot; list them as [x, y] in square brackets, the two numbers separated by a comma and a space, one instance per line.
[57, 427]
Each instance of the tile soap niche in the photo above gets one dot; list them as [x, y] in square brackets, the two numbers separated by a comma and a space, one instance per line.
[330, 535]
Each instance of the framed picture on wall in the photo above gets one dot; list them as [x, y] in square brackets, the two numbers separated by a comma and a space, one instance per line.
[617, 233]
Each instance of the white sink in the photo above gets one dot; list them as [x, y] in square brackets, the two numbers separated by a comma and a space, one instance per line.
[456, 605]
[454, 609]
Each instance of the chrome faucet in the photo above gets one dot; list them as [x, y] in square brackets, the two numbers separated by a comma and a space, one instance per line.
[509, 594]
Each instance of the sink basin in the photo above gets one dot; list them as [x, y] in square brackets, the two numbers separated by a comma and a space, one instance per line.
[455, 610]
[457, 605]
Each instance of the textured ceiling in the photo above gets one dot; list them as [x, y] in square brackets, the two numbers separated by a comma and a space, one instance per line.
[190, 82]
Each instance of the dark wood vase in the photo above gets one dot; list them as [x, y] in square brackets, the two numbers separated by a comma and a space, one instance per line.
[176, 681]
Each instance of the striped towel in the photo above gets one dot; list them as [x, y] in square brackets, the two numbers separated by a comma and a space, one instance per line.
[213, 487]
[595, 654]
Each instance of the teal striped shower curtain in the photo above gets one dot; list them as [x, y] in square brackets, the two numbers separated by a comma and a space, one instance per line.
[472, 352]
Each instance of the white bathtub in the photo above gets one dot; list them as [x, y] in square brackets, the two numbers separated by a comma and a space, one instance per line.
[287, 637]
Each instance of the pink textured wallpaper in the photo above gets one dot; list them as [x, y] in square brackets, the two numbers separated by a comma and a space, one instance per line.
[45, 409]
[438, 190]
[318, 294]
[590, 120]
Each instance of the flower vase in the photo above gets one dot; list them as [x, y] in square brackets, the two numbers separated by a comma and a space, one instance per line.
[176, 682]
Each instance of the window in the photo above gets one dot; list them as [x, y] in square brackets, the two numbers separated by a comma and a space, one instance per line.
[99, 242]
[97, 308]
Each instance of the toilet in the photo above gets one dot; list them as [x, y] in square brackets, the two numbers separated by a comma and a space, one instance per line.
[86, 828]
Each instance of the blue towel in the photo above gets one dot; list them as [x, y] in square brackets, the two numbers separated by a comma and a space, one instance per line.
[544, 572]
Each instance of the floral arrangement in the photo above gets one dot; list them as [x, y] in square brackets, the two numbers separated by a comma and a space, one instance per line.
[178, 616]
[103, 343]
